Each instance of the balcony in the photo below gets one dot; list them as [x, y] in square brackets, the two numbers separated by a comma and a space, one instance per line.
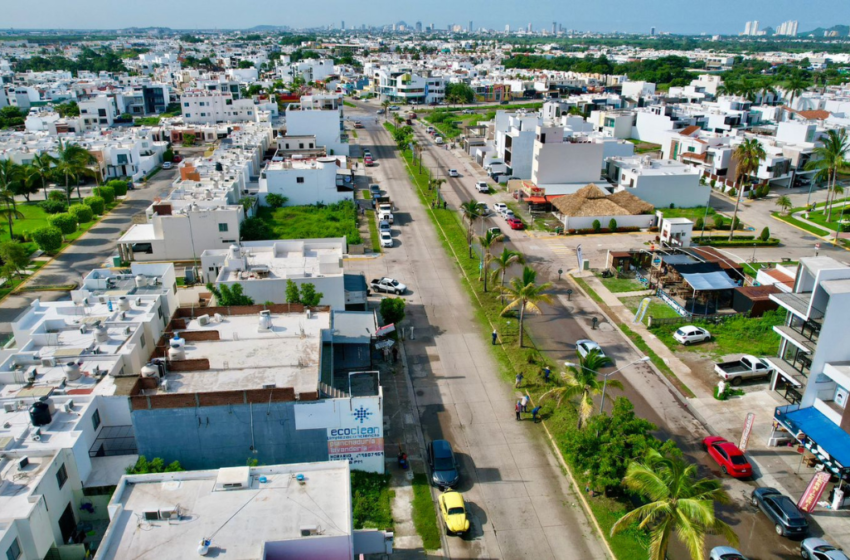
[795, 371]
[798, 337]
[799, 304]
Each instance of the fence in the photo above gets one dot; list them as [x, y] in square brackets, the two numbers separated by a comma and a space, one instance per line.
[712, 318]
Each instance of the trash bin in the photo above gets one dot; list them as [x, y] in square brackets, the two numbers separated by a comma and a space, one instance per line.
[559, 230]
[116, 261]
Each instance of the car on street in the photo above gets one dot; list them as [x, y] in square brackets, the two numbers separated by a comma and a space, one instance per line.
[453, 511]
[358, 124]
[167, 165]
[725, 553]
[375, 190]
[508, 214]
[443, 464]
[393, 107]
[438, 140]
[483, 209]
[689, 334]
[515, 223]
[453, 173]
[482, 187]
[732, 460]
[381, 111]
[368, 161]
[782, 511]
[585, 347]
[384, 225]
[386, 239]
[500, 207]
[495, 230]
[819, 549]
[388, 285]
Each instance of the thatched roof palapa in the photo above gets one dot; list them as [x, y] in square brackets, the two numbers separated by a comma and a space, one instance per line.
[593, 201]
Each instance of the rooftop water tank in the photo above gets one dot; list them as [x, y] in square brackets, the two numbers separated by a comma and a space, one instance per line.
[150, 370]
[72, 371]
[176, 353]
[141, 281]
[265, 321]
[123, 304]
[101, 334]
[177, 341]
[40, 414]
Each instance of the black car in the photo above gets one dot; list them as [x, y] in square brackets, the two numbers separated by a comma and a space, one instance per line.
[443, 464]
[375, 190]
[788, 520]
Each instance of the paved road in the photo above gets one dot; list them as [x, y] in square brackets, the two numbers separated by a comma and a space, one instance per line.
[89, 251]
[521, 504]
[559, 326]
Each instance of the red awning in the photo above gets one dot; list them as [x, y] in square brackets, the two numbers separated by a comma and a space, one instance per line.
[535, 199]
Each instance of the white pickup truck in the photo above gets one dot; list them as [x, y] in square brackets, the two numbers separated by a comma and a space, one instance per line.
[388, 285]
[748, 367]
[385, 212]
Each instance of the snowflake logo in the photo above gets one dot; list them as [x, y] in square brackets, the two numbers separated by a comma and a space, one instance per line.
[361, 414]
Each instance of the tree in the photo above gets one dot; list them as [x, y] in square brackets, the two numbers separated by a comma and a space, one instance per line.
[292, 294]
[503, 262]
[44, 163]
[829, 161]
[719, 221]
[188, 140]
[247, 203]
[82, 213]
[9, 175]
[392, 310]
[487, 241]
[48, 238]
[784, 202]
[597, 225]
[384, 105]
[699, 224]
[255, 229]
[275, 200]
[612, 225]
[583, 382]
[28, 182]
[53, 206]
[765, 234]
[73, 162]
[795, 86]
[96, 203]
[168, 154]
[119, 187]
[526, 295]
[245, 64]
[459, 93]
[227, 296]
[309, 296]
[66, 223]
[748, 154]
[471, 212]
[15, 257]
[106, 193]
[677, 501]
[157, 465]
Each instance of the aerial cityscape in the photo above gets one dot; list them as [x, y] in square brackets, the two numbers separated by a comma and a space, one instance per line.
[530, 281]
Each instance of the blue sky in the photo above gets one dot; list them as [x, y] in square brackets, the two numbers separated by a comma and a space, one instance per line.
[712, 16]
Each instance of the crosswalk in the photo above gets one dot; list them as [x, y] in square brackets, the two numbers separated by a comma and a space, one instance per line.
[557, 246]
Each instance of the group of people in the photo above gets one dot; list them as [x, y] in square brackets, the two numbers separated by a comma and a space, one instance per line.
[522, 407]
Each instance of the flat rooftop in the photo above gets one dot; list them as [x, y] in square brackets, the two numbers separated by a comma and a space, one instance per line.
[18, 483]
[286, 260]
[244, 357]
[645, 166]
[238, 522]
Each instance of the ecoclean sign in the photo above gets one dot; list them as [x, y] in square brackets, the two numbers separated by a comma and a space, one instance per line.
[355, 429]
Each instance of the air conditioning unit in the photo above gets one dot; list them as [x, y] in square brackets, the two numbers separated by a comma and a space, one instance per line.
[138, 301]
[9, 407]
[68, 406]
[204, 320]
[269, 385]
[23, 462]
[309, 530]
[48, 362]
[168, 513]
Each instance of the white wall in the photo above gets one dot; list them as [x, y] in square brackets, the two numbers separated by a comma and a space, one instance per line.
[332, 289]
[641, 221]
[319, 185]
[323, 124]
[174, 237]
[566, 162]
[684, 191]
[650, 127]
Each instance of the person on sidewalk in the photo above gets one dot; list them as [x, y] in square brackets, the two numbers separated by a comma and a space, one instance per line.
[518, 411]
[519, 377]
[534, 412]
[524, 402]
[495, 336]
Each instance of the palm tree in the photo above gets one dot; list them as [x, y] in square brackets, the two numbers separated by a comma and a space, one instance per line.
[10, 173]
[435, 184]
[583, 382]
[765, 90]
[44, 163]
[830, 160]
[748, 91]
[471, 212]
[677, 501]
[487, 241]
[73, 161]
[385, 104]
[795, 85]
[727, 88]
[526, 295]
[783, 202]
[503, 262]
[29, 178]
[748, 154]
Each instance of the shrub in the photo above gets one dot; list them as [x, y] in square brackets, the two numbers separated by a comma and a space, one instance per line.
[612, 225]
[699, 224]
[596, 226]
[275, 200]
[58, 196]
[82, 212]
[392, 310]
[733, 192]
[255, 229]
[765, 234]
[48, 238]
[718, 221]
[713, 182]
[96, 203]
[736, 223]
[67, 223]
[106, 193]
[672, 206]
[53, 206]
[120, 187]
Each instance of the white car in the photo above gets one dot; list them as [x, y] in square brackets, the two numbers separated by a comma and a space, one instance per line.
[585, 346]
[453, 173]
[690, 334]
[508, 214]
[167, 165]
[386, 239]
[393, 107]
[500, 207]
[482, 187]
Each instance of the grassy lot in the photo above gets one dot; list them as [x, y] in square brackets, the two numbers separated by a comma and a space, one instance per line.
[374, 238]
[35, 217]
[446, 121]
[370, 501]
[752, 269]
[737, 335]
[642, 147]
[820, 218]
[349, 104]
[698, 212]
[10, 285]
[308, 222]
[657, 308]
[424, 513]
[802, 225]
[620, 285]
[511, 359]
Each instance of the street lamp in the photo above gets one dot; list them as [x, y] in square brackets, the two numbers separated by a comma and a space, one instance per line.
[607, 375]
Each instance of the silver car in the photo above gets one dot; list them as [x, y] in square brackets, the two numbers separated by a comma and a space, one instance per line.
[584, 347]
[726, 553]
[819, 549]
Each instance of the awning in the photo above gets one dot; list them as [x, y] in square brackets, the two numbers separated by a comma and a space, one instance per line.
[536, 200]
[709, 281]
[823, 437]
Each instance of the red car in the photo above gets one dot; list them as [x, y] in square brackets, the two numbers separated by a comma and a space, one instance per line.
[515, 223]
[731, 459]
[368, 161]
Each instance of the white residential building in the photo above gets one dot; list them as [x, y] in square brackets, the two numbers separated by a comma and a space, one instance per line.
[659, 182]
[319, 116]
[98, 112]
[515, 134]
[208, 107]
[402, 84]
[307, 180]
[563, 166]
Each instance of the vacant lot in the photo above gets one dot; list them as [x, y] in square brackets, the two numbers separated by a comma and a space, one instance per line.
[310, 222]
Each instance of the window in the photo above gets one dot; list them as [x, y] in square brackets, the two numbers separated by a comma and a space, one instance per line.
[61, 476]
[299, 179]
[188, 115]
[203, 114]
[122, 159]
[14, 551]
[186, 104]
[95, 419]
[143, 340]
[222, 227]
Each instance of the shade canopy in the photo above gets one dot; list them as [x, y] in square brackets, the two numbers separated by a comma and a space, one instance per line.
[709, 281]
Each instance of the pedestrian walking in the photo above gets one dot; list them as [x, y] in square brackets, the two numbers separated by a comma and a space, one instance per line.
[546, 374]
[534, 412]
[518, 411]
[519, 377]
[444, 205]
[395, 354]
[495, 336]
[524, 403]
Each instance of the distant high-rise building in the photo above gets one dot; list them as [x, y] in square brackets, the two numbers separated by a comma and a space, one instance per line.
[788, 28]
[470, 26]
[554, 28]
[748, 28]
[419, 27]
[754, 30]
[652, 32]
[528, 29]
[394, 27]
[363, 26]
[342, 25]
[507, 28]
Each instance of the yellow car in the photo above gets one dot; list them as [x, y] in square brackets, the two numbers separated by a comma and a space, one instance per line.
[454, 512]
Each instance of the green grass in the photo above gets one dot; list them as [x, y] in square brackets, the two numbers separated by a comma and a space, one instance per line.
[752, 269]
[424, 513]
[820, 218]
[181, 281]
[620, 285]
[147, 121]
[349, 104]
[374, 238]
[35, 217]
[657, 308]
[370, 501]
[802, 225]
[642, 147]
[310, 222]
[448, 126]
[737, 335]
[354, 132]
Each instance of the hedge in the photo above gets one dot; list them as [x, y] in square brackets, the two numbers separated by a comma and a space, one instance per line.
[82, 212]
[67, 223]
[737, 241]
[53, 206]
[601, 230]
[120, 187]
[96, 203]
[106, 193]
[48, 238]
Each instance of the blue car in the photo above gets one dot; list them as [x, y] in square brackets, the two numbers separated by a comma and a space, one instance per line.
[788, 520]
[443, 464]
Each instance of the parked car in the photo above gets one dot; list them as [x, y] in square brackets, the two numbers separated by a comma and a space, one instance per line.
[782, 511]
[375, 190]
[500, 207]
[368, 161]
[386, 239]
[393, 107]
[358, 124]
[453, 173]
[508, 214]
[167, 165]
[482, 187]
[732, 460]
[748, 367]
[384, 225]
[585, 346]
[516, 223]
[388, 285]
[689, 334]
[177, 159]
[453, 511]
[381, 111]
[725, 553]
[438, 140]
[430, 129]
[483, 209]
[442, 464]
[495, 230]
[819, 549]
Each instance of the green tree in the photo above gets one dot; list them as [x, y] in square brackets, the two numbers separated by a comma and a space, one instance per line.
[459, 93]
[765, 234]
[471, 212]
[155, 466]
[188, 140]
[597, 226]
[119, 187]
[168, 154]
[82, 213]
[676, 501]
[9, 176]
[96, 203]
[525, 295]
[44, 163]
[53, 206]
[275, 200]
[748, 154]
[309, 296]
[699, 224]
[106, 193]
[28, 182]
[718, 221]
[502, 262]
[48, 238]
[829, 161]
[227, 296]
[15, 257]
[292, 293]
[247, 203]
[255, 229]
[392, 310]
[73, 162]
[66, 223]
[783, 202]
[487, 241]
[795, 86]
[582, 382]
[612, 225]
[245, 64]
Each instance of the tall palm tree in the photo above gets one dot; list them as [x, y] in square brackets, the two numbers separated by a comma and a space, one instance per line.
[29, 178]
[487, 241]
[583, 382]
[471, 212]
[10, 173]
[73, 161]
[795, 85]
[44, 163]
[748, 91]
[677, 501]
[748, 154]
[435, 184]
[503, 262]
[385, 104]
[526, 295]
[727, 88]
[829, 160]
[765, 90]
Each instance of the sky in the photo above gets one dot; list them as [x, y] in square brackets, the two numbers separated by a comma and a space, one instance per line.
[631, 16]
